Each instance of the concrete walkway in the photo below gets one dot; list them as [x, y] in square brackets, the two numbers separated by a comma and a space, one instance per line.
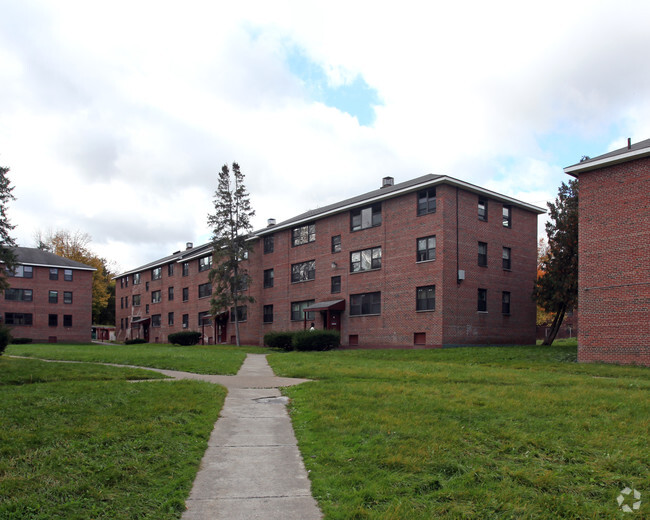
[252, 468]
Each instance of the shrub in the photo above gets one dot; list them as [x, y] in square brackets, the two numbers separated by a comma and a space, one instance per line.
[316, 340]
[136, 341]
[5, 338]
[184, 338]
[279, 340]
[21, 341]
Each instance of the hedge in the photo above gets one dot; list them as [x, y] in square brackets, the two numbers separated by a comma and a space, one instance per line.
[136, 341]
[185, 338]
[303, 340]
[5, 338]
[21, 341]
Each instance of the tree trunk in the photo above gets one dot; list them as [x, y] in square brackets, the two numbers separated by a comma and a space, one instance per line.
[555, 327]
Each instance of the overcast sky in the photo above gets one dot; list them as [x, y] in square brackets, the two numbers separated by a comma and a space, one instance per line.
[115, 117]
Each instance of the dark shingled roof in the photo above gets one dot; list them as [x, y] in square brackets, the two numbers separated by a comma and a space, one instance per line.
[635, 151]
[38, 257]
[192, 252]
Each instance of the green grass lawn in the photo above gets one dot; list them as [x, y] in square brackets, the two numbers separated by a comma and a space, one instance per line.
[80, 441]
[200, 359]
[479, 433]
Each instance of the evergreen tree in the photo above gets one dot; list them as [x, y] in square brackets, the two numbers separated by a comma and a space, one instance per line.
[7, 256]
[556, 290]
[231, 226]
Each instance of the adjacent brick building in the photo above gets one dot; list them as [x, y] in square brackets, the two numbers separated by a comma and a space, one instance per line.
[614, 256]
[430, 262]
[49, 298]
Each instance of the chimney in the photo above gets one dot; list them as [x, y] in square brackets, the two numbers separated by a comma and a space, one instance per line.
[629, 143]
[189, 245]
[387, 181]
[270, 222]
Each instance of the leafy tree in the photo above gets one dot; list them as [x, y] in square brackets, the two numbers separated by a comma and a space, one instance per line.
[75, 246]
[556, 290]
[7, 256]
[231, 226]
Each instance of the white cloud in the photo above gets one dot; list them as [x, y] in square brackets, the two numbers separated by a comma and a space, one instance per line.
[115, 118]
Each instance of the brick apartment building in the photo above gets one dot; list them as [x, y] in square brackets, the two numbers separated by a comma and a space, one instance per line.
[49, 298]
[430, 262]
[614, 256]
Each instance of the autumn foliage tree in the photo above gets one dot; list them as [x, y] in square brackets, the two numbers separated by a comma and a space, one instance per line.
[231, 226]
[75, 246]
[556, 290]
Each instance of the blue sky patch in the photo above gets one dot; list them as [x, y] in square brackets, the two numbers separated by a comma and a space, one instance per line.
[356, 98]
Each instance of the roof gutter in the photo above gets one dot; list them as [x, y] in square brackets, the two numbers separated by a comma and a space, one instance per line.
[587, 166]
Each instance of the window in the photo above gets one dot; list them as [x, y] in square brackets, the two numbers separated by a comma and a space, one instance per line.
[336, 244]
[156, 297]
[205, 289]
[241, 283]
[19, 295]
[268, 244]
[156, 273]
[268, 314]
[365, 260]
[170, 270]
[204, 318]
[303, 272]
[268, 278]
[136, 279]
[126, 281]
[365, 217]
[53, 320]
[18, 318]
[170, 293]
[336, 284]
[303, 235]
[363, 304]
[121, 303]
[67, 320]
[53, 297]
[22, 271]
[297, 308]
[205, 263]
[507, 216]
[186, 321]
[419, 338]
[126, 302]
[67, 298]
[426, 248]
[242, 313]
[186, 293]
[482, 300]
[426, 201]
[505, 302]
[170, 318]
[482, 209]
[506, 258]
[186, 268]
[67, 275]
[426, 298]
[54, 273]
[482, 254]
[155, 320]
[146, 308]
[136, 300]
[122, 283]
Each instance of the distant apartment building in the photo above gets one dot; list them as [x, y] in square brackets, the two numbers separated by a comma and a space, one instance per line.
[49, 298]
[614, 256]
[430, 262]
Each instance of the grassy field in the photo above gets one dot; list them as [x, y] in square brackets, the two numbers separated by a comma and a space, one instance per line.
[470, 433]
[80, 441]
[200, 359]
[479, 433]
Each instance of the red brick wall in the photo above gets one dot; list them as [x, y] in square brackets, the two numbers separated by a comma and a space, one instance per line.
[80, 309]
[614, 257]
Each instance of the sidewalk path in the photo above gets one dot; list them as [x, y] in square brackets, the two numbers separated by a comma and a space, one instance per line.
[252, 468]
